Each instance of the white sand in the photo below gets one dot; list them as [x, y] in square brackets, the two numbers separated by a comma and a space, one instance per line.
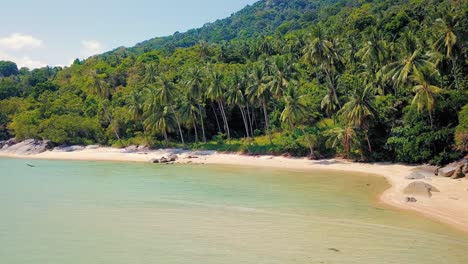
[449, 206]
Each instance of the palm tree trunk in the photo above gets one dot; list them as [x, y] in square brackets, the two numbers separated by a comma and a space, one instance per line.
[216, 117]
[309, 142]
[195, 127]
[244, 118]
[368, 143]
[332, 88]
[202, 123]
[178, 125]
[226, 125]
[250, 122]
[166, 139]
[267, 125]
[430, 118]
[116, 134]
[454, 72]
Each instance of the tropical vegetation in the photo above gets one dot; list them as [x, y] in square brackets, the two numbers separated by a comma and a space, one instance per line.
[368, 80]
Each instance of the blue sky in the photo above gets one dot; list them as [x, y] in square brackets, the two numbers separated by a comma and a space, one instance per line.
[54, 32]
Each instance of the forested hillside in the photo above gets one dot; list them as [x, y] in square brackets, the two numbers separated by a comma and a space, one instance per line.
[370, 80]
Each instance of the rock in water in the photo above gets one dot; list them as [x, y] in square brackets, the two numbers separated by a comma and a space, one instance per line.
[163, 160]
[419, 188]
[154, 161]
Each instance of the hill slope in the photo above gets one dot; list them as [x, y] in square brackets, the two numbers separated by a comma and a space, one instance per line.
[262, 18]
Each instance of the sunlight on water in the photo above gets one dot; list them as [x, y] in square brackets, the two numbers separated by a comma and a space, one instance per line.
[91, 212]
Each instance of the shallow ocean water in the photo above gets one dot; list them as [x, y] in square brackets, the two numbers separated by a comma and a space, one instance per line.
[100, 212]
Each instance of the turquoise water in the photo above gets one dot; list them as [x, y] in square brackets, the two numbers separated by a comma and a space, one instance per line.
[93, 212]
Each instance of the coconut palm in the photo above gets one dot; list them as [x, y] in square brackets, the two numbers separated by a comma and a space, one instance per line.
[413, 60]
[151, 74]
[346, 137]
[98, 85]
[374, 52]
[284, 71]
[295, 112]
[323, 54]
[258, 91]
[359, 110]
[161, 120]
[447, 40]
[135, 106]
[196, 90]
[165, 94]
[189, 111]
[235, 96]
[425, 92]
[216, 92]
[265, 46]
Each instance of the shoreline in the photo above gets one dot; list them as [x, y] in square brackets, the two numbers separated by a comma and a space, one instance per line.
[449, 206]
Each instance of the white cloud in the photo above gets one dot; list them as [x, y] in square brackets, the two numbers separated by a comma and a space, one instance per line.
[17, 41]
[90, 48]
[24, 61]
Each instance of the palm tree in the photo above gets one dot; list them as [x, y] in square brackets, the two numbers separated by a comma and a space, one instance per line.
[98, 85]
[447, 40]
[265, 46]
[258, 91]
[346, 137]
[283, 72]
[196, 90]
[189, 111]
[151, 74]
[235, 96]
[295, 112]
[374, 52]
[324, 54]
[205, 51]
[425, 93]
[216, 93]
[161, 120]
[413, 60]
[165, 95]
[359, 110]
[135, 105]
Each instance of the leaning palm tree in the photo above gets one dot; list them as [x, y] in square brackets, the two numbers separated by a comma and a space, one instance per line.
[359, 110]
[425, 92]
[216, 92]
[258, 91]
[295, 112]
[196, 90]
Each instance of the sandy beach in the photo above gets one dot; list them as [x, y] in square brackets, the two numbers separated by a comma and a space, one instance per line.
[449, 206]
